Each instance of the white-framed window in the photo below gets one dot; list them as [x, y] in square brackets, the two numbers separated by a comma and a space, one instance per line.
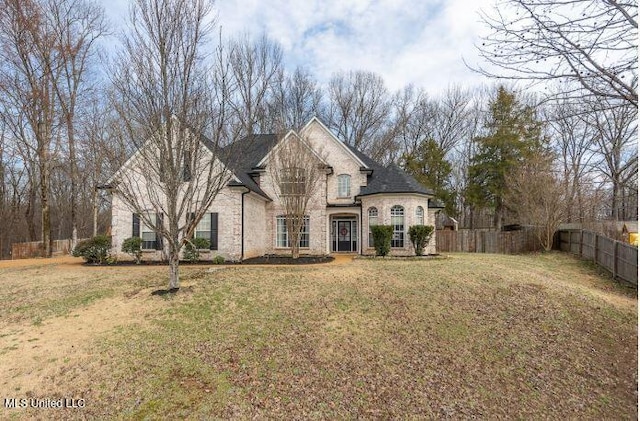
[147, 233]
[203, 229]
[397, 220]
[373, 220]
[344, 185]
[282, 236]
[419, 215]
[292, 181]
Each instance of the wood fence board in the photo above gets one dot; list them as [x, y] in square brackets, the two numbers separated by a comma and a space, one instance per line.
[484, 241]
[619, 258]
[34, 249]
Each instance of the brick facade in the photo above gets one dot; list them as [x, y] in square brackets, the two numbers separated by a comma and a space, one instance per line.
[258, 215]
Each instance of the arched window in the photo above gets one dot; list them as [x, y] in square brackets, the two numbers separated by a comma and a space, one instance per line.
[419, 215]
[344, 185]
[397, 220]
[373, 220]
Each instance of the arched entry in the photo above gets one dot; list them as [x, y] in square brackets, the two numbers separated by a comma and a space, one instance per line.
[344, 233]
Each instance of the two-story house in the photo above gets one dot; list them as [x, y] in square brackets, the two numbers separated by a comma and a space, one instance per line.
[247, 218]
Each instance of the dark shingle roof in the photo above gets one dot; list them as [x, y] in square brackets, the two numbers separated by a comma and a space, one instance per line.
[243, 156]
[391, 179]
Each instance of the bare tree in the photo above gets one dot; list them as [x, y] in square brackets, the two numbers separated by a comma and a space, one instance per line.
[572, 138]
[256, 67]
[78, 25]
[167, 105]
[297, 172]
[616, 136]
[45, 48]
[591, 43]
[30, 67]
[536, 197]
[359, 108]
[297, 99]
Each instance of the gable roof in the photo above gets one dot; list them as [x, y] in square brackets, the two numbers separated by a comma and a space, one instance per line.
[342, 144]
[251, 151]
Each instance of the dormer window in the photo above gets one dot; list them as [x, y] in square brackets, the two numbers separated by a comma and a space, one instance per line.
[344, 185]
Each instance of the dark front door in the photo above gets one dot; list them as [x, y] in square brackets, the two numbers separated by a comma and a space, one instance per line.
[344, 236]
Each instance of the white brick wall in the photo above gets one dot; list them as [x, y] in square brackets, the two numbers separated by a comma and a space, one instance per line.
[260, 215]
[384, 203]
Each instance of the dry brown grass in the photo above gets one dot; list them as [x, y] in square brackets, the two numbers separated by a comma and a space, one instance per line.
[474, 335]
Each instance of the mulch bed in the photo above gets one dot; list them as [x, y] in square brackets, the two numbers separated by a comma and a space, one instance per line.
[262, 260]
[287, 260]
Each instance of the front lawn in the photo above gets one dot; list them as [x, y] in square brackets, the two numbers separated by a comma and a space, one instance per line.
[490, 336]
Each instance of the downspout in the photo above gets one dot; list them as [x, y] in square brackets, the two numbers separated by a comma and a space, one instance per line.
[242, 224]
[361, 229]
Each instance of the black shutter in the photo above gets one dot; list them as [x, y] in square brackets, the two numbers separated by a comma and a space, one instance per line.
[135, 231]
[159, 219]
[214, 231]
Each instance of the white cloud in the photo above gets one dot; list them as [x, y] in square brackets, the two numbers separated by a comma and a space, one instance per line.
[404, 41]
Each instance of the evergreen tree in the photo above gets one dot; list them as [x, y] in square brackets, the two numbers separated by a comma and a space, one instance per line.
[514, 135]
[427, 163]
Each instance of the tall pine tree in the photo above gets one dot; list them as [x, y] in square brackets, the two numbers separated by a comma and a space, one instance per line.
[427, 163]
[514, 135]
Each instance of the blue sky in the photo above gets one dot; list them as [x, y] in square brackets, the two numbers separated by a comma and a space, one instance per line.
[405, 41]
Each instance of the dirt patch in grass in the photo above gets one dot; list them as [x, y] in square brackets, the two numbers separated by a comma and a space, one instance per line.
[487, 336]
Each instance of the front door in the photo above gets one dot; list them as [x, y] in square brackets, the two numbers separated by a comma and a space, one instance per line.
[344, 235]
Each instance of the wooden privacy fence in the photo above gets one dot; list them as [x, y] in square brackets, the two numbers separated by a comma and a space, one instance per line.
[34, 249]
[619, 258]
[482, 241]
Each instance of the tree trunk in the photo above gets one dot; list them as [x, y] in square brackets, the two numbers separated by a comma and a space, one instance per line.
[74, 176]
[174, 263]
[44, 201]
[95, 212]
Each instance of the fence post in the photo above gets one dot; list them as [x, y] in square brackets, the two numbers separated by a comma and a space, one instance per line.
[595, 248]
[615, 259]
[581, 241]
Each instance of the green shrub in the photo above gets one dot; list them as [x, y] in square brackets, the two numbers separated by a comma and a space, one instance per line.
[218, 260]
[382, 235]
[133, 246]
[420, 235]
[93, 250]
[192, 248]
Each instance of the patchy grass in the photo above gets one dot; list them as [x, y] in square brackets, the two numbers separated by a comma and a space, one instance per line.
[470, 336]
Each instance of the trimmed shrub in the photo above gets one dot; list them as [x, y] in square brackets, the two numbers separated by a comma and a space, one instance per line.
[420, 235]
[382, 235]
[133, 246]
[218, 260]
[192, 248]
[93, 250]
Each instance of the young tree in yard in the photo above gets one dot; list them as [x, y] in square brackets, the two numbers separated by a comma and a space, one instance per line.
[593, 44]
[514, 136]
[297, 172]
[537, 197]
[168, 100]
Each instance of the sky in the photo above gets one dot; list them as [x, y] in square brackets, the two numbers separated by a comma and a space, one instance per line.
[419, 42]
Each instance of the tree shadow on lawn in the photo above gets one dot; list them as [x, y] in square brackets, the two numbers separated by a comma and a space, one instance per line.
[171, 291]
